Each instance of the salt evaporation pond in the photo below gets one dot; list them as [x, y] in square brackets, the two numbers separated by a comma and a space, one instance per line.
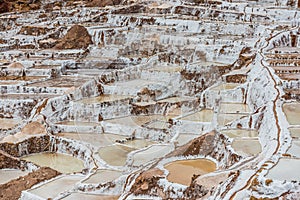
[103, 176]
[294, 150]
[104, 98]
[115, 155]
[182, 171]
[248, 147]
[56, 187]
[289, 166]
[185, 138]
[95, 139]
[225, 118]
[226, 86]
[240, 133]
[60, 162]
[84, 196]
[292, 112]
[8, 123]
[7, 175]
[234, 108]
[295, 132]
[205, 115]
[151, 153]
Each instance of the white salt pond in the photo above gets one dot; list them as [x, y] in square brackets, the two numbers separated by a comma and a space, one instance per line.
[294, 150]
[205, 115]
[292, 112]
[286, 169]
[185, 138]
[177, 99]
[78, 123]
[137, 120]
[60, 162]
[151, 153]
[182, 171]
[104, 98]
[240, 133]
[226, 86]
[138, 143]
[103, 176]
[85, 196]
[115, 155]
[248, 147]
[7, 175]
[295, 132]
[52, 189]
[224, 119]
[234, 108]
[95, 139]
[158, 125]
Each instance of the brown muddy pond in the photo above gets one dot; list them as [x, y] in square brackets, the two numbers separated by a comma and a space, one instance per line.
[8, 123]
[182, 171]
[60, 162]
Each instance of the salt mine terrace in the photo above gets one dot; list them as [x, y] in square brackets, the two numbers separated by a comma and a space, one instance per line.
[152, 116]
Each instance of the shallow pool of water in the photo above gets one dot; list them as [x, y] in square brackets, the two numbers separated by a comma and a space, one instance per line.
[104, 98]
[185, 138]
[139, 143]
[201, 116]
[286, 169]
[84, 196]
[103, 176]
[158, 125]
[248, 147]
[52, 189]
[182, 171]
[78, 123]
[294, 150]
[8, 123]
[234, 108]
[224, 119]
[7, 175]
[153, 152]
[115, 155]
[295, 132]
[95, 139]
[240, 133]
[137, 120]
[292, 112]
[226, 86]
[60, 162]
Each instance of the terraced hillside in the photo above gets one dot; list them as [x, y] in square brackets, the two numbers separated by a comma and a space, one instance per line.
[141, 99]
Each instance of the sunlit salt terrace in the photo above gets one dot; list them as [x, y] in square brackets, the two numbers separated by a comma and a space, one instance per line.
[149, 100]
